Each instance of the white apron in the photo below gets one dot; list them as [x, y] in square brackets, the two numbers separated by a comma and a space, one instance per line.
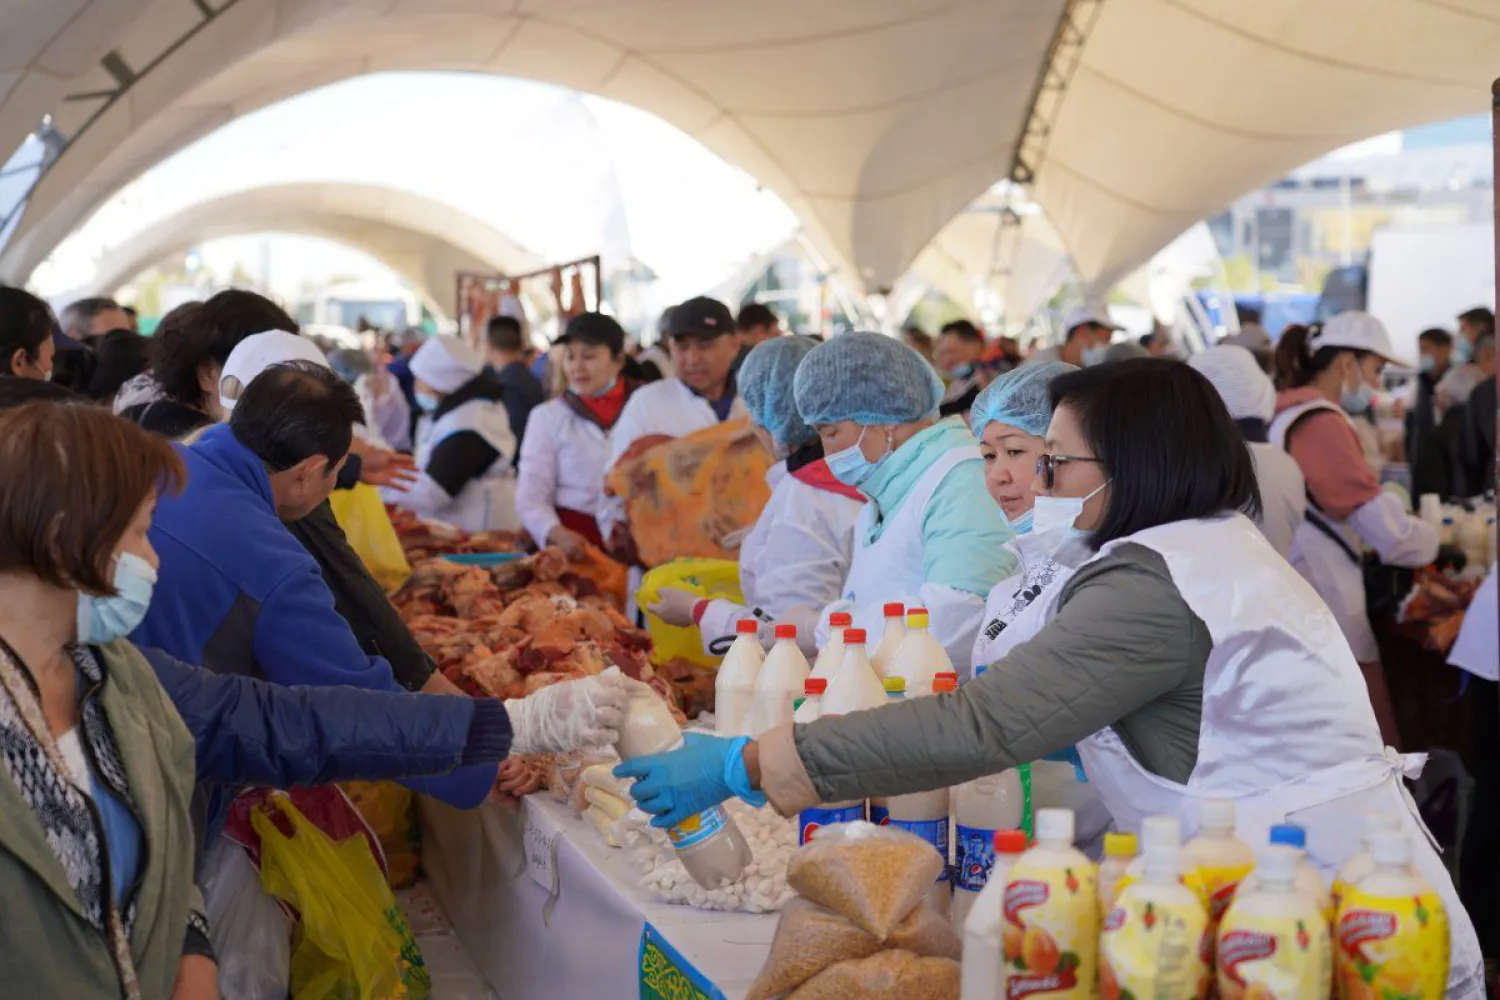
[487, 503]
[893, 568]
[1018, 608]
[1287, 728]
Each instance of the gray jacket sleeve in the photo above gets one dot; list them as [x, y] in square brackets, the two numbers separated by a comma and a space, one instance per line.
[1123, 650]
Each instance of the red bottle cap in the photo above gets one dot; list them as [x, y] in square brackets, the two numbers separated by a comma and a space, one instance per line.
[747, 626]
[1009, 841]
[786, 631]
[917, 611]
[944, 681]
[814, 685]
[854, 637]
[841, 619]
[895, 609]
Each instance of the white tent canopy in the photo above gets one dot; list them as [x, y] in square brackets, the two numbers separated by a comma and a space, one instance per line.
[876, 121]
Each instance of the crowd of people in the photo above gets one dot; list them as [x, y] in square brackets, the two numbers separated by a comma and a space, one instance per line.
[1145, 569]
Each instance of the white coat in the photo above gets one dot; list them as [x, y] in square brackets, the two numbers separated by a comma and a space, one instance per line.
[562, 465]
[667, 407]
[486, 503]
[1283, 495]
[1477, 648]
[1333, 567]
[893, 568]
[792, 562]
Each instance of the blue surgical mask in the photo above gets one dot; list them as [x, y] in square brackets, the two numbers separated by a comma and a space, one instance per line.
[850, 466]
[427, 402]
[1357, 400]
[1427, 364]
[103, 618]
[961, 372]
[1022, 524]
[1094, 355]
[1463, 351]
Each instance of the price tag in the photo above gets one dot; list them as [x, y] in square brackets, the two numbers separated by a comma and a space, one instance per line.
[541, 855]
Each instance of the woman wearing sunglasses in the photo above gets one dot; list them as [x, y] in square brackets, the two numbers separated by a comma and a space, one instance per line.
[1184, 657]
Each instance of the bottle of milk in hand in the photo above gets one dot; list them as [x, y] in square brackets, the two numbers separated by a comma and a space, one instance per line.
[734, 687]
[710, 844]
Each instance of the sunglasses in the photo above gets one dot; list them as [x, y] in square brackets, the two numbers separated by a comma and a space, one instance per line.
[1046, 467]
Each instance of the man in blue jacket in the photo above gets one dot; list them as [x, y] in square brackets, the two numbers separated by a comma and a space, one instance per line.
[235, 590]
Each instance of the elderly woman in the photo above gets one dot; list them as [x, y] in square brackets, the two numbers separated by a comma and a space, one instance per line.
[928, 535]
[794, 560]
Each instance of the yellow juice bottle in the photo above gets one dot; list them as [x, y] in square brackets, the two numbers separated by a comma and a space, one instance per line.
[1392, 931]
[1155, 941]
[1273, 941]
[1050, 929]
[1219, 858]
[1363, 863]
[1120, 850]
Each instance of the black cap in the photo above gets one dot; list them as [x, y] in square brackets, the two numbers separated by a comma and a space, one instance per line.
[701, 317]
[594, 328]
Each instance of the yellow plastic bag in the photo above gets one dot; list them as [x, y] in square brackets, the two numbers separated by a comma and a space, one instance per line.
[352, 942]
[704, 577]
[391, 811]
[368, 527]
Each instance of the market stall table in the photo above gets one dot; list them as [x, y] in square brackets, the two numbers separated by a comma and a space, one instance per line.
[596, 933]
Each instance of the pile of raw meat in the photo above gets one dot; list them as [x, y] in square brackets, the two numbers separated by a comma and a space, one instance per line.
[422, 539]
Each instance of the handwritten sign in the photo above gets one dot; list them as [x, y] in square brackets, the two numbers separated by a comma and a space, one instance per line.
[541, 855]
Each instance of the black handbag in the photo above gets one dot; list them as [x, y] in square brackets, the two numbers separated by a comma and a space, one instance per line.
[1385, 586]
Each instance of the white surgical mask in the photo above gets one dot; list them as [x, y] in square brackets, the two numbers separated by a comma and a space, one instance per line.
[103, 618]
[1051, 513]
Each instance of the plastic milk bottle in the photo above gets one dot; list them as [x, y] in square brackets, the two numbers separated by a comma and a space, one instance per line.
[895, 631]
[926, 815]
[920, 657]
[983, 975]
[1363, 863]
[980, 808]
[1050, 930]
[710, 844]
[779, 683]
[1273, 942]
[895, 691]
[832, 653]
[1392, 931]
[852, 689]
[812, 700]
[1155, 941]
[1309, 881]
[1119, 850]
[734, 688]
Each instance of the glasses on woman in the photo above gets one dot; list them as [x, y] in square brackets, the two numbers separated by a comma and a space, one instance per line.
[1046, 467]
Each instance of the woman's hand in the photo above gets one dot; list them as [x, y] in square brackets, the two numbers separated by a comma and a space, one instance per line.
[570, 716]
[570, 541]
[513, 782]
[197, 978]
[706, 771]
[675, 606]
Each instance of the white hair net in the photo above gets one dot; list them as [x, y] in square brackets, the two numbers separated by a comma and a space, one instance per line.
[1234, 372]
[867, 378]
[765, 382]
[1021, 398]
[445, 363]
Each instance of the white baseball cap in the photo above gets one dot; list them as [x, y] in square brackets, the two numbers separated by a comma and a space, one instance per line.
[1359, 331]
[258, 352]
[1080, 315]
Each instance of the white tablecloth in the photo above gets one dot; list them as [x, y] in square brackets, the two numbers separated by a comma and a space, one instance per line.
[587, 942]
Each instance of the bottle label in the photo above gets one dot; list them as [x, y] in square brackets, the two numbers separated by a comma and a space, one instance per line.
[934, 831]
[697, 829]
[1155, 948]
[810, 821]
[1050, 932]
[1277, 956]
[1221, 883]
[1392, 946]
[975, 857]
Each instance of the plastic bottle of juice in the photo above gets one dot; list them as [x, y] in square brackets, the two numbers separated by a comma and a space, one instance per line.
[710, 844]
[1363, 863]
[734, 687]
[895, 631]
[920, 657]
[1155, 941]
[880, 813]
[1308, 882]
[1220, 858]
[832, 653]
[853, 689]
[926, 814]
[984, 966]
[779, 683]
[1050, 934]
[1119, 850]
[812, 700]
[1392, 931]
[1272, 941]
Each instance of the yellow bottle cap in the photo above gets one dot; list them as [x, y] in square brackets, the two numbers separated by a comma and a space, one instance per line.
[1121, 845]
[916, 619]
[895, 685]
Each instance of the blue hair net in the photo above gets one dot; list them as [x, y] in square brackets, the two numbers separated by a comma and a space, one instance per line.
[867, 378]
[1021, 398]
[765, 384]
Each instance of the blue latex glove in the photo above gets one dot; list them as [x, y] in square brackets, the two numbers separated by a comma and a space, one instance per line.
[1070, 756]
[706, 771]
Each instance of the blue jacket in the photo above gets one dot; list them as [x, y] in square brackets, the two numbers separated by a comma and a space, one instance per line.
[238, 593]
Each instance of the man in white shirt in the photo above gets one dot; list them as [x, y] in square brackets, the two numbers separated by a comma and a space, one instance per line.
[1087, 336]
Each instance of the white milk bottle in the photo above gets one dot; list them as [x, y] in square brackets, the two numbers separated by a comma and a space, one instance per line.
[734, 687]
[832, 653]
[880, 812]
[980, 808]
[780, 682]
[1309, 881]
[920, 657]
[1363, 862]
[983, 974]
[852, 689]
[812, 700]
[1273, 942]
[710, 844]
[895, 631]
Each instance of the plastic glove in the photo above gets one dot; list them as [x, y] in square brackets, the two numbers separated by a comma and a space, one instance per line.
[706, 771]
[569, 716]
[675, 606]
[1070, 756]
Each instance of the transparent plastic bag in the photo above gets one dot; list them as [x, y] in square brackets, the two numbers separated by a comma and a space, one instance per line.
[873, 875]
[886, 975]
[252, 936]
